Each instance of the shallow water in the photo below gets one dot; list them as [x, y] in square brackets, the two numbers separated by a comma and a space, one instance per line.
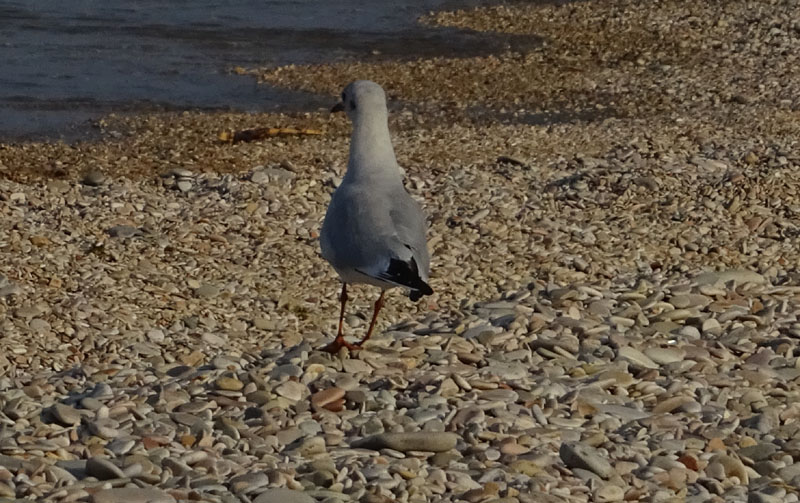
[66, 63]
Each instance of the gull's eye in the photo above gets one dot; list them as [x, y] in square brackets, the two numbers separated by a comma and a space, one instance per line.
[344, 97]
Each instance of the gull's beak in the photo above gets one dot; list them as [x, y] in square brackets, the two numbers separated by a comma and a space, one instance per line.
[339, 107]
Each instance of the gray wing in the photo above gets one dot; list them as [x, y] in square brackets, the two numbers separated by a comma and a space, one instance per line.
[409, 222]
[364, 230]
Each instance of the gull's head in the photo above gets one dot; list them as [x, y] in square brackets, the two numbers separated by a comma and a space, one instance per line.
[359, 97]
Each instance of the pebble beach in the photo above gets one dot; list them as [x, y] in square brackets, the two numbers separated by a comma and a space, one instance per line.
[615, 240]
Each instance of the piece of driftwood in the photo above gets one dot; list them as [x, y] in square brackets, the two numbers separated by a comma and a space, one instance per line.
[263, 132]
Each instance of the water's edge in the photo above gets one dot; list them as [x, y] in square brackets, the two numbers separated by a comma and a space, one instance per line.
[66, 69]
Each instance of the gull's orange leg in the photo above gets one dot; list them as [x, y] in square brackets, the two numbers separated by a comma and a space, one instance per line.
[339, 341]
[376, 310]
[343, 300]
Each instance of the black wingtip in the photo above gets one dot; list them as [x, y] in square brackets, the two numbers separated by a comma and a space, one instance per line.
[426, 289]
[407, 274]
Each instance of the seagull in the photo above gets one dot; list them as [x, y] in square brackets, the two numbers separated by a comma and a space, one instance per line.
[374, 231]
